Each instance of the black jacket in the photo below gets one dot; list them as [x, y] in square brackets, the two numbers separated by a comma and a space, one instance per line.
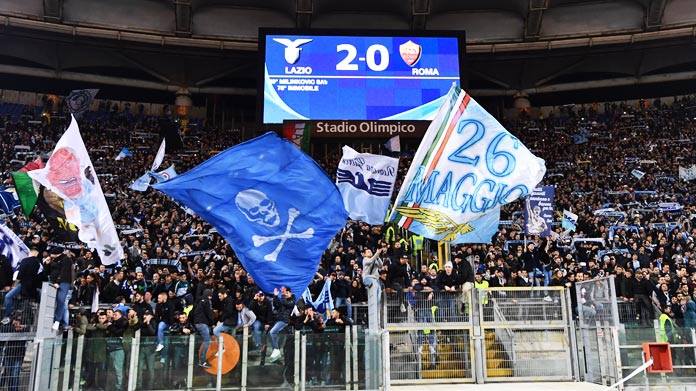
[148, 329]
[229, 312]
[62, 270]
[164, 312]
[5, 272]
[341, 288]
[28, 276]
[263, 311]
[465, 271]
[451, 280]
[282, 308]
[202, 312]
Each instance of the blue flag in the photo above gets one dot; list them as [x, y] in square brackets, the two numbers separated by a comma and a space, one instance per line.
[8, 202]
[125, 152]
[271, 202]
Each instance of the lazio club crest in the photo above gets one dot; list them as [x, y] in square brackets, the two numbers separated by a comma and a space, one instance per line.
[410, 52]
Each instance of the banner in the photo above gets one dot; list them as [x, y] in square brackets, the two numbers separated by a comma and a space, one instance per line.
[638, 174]
[12, 246]
[79, 101]
[580, 137]
[538, 211]
[466, 166]
[570, 221]
[70, 174]
[299, 133]
[272, 203]
[366, 183]
[687, 173]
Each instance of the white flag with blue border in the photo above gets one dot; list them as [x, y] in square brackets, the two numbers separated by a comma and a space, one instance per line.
[366, 183]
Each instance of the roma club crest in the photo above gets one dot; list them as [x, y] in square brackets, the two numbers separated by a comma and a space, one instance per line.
[410, 52]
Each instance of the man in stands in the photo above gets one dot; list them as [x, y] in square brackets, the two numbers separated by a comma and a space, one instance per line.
[62, 278]
[263, 310]
[27, 284]
[202, 319]
[164, 315]
[283, 304]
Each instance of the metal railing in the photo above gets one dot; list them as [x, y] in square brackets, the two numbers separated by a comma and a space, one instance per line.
[414, 308]
[528, 306]
[25, 310]
[334, 359]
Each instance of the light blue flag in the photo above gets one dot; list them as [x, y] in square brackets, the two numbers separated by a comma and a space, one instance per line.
[142, 183]
[323, 302]
[366, 182]
[271, 202]
[125, 152]
[570, 220]
[164, 175]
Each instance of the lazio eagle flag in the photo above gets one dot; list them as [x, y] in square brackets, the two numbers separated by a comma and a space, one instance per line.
[271, 202]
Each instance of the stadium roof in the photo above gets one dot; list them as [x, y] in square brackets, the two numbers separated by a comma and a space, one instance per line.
[537, 47]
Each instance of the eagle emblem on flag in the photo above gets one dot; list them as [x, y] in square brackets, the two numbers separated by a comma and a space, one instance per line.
[439, 222]
[410, 52]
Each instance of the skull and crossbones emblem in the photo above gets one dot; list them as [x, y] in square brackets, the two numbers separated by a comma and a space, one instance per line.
[258, 208]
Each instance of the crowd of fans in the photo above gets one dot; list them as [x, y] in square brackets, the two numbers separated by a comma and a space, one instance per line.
[203, 289]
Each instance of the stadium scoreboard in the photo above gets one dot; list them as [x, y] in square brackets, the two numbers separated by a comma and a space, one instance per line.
[358, 75]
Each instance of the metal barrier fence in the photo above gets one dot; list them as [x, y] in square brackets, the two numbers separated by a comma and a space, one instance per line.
[430, 336]
[335, 359]
[496, 334]
[596, 335]
[16, 361]
[416, 308]
[526, 334]
[23, 308]
[597, 303]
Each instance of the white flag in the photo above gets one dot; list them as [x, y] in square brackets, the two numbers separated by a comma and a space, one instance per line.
[466, 166]
[160, 156]
[393, 144]
[366, 182]
[687, 173]
[12, 246]
[70, 174]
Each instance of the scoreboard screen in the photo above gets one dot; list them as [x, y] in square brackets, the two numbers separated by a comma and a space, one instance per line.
[351, 76]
